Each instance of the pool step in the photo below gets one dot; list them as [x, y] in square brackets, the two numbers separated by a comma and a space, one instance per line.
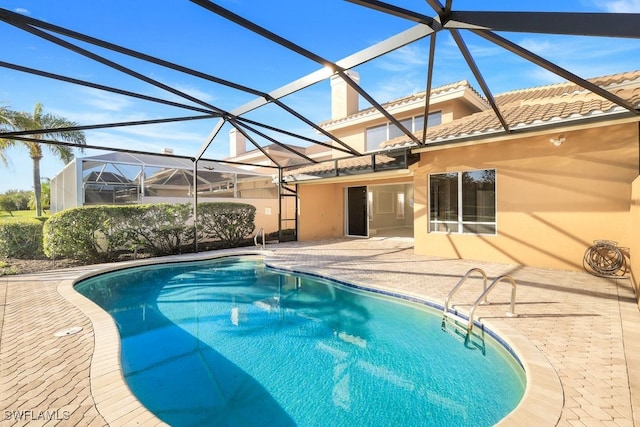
[456, 326]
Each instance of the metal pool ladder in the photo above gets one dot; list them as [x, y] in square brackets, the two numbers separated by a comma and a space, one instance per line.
[482, 299]
[255, 238]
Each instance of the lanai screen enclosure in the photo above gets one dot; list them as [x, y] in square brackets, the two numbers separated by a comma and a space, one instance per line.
[126, 178]
[262, 115]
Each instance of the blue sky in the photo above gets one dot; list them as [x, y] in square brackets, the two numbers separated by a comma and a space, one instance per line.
[184, 33]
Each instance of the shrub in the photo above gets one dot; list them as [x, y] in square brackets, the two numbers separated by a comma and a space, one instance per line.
[229, 223]
[73, 233]
[7, 204]
[100, 233]
[162, 229]
[114, 231]
[21, 239]
[20, 199]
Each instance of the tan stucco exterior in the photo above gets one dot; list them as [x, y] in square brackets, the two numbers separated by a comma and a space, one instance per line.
[567, 174]
[322, 205]
[452, 104]
[552, 202]
[321, 211]
[634, 235]
[454, 109]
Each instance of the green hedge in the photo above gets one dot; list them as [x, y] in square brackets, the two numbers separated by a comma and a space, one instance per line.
[228, 223]
[101, 233]
[21, 239]
[161, 229]
[80, 233]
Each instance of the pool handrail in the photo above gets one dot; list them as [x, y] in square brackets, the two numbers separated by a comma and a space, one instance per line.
[255, 238]
[493, 284]
[459, 284]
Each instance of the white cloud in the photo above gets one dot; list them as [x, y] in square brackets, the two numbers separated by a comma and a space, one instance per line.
[195, 92]
[395, 87]
[88, 107]
[619, 6]
[164, 132]
[584, 56]
[407, 57]
[540, 76]
[22, 11]
[150, 138]
[89, 116]
[189, 89]
[104, 100]
[91, 106]
[540, 46]
[484, 51]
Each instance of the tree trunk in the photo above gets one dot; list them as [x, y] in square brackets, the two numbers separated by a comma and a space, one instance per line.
[37, 187]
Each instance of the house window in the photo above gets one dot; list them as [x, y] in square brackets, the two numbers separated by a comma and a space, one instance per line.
[376, 135]
[394, 131]
[463, 202]
[434, 119]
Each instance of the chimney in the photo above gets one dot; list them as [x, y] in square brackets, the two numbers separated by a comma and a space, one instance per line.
[344, 98]
[237, 143]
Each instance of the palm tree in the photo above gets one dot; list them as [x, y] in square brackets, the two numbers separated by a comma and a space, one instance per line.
[4, 116]
[37, 121]
[5, 124]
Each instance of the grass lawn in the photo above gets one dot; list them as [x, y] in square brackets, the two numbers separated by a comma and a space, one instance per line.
[18, 215]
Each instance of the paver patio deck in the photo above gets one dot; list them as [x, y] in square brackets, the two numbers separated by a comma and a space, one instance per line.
[580, 333]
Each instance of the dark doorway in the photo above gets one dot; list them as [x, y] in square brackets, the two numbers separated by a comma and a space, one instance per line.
[357, 220]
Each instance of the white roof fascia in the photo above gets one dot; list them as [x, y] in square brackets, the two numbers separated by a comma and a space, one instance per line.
[534, 129]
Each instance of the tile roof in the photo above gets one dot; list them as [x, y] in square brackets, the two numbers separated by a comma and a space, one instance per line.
[521, 108]
[440, 90]
[537, 106]
[349, 165]
[276, 149]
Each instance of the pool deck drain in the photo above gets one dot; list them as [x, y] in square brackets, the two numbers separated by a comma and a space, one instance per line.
[582, 332]
[69, 331]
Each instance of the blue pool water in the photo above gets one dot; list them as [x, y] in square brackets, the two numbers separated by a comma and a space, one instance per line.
[231, 342]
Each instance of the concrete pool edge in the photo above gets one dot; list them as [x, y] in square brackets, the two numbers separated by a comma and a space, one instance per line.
[541, 404]
[113, 398]
[543, 399]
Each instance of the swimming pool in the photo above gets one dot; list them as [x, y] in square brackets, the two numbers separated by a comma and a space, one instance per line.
[232, 342]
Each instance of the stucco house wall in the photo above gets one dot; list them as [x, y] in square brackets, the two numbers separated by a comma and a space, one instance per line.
[354, 135]
[552, 202]
[321, 207]
[634, 236]
[321, 211]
